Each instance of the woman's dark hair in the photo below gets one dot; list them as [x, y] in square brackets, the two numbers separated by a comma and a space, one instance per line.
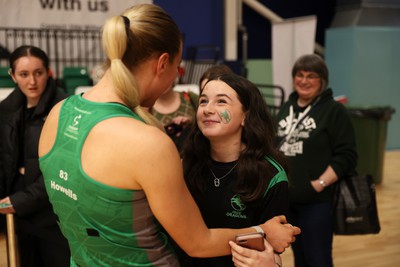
[214, 71]
[313, 63]
[258, 136]
[28, 50]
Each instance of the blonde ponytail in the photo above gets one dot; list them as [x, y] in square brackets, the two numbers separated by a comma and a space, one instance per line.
[141, 32]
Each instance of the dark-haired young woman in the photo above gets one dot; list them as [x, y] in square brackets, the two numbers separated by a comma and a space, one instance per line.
[22, 115]
[231, 166]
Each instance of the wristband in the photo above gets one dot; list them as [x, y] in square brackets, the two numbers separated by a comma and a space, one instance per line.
[259, 230]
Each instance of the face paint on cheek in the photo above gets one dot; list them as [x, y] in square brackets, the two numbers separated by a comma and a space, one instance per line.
[225, 116]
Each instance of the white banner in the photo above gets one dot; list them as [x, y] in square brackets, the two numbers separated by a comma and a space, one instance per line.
[67, 30]
[291, 39]
[61, 14]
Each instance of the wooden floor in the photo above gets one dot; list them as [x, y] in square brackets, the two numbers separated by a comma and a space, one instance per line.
[382, 250]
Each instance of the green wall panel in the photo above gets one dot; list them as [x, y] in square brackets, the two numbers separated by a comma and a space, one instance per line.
[364, 65]
[259, 70]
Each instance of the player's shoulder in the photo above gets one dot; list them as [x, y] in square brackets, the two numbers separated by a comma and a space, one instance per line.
[135, 133]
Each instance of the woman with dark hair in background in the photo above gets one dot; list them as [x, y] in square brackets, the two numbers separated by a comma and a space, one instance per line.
[317, 136]
[22, 115]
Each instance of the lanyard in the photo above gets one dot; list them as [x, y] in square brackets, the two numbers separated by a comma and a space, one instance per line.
[301, 117]
[293, 126]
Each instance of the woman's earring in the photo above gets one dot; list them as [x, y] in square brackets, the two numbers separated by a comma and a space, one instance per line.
[10, 73]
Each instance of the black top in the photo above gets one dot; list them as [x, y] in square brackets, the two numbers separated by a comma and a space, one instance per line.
[221, 207]
[324, 137]
[20, 130]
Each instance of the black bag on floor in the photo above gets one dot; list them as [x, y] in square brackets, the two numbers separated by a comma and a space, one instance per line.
[355, 206]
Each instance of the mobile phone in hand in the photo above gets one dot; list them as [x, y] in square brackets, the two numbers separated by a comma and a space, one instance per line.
[251, 240]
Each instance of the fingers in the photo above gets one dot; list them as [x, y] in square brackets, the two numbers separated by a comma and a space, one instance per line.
[182, 120]
[7, 210]
[282, 218]
[5, 200]
[277, 259]
[243, 257]
[239, 255]
[6, 206]
[285, 238]
[296, 230]
[235, 248]
[268, 246]
[281, 248]
[280, 234]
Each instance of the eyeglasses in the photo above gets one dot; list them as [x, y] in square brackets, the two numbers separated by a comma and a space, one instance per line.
[310, 77]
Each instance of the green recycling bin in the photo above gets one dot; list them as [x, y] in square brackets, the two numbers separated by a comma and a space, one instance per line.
[370, 126]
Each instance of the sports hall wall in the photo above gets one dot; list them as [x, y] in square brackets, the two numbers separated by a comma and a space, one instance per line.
[364, 65]
[363, 61]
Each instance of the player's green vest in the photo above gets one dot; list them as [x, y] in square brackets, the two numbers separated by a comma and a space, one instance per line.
[105, 226]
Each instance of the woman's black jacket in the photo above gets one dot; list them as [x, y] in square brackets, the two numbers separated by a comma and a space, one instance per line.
[29, 197]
